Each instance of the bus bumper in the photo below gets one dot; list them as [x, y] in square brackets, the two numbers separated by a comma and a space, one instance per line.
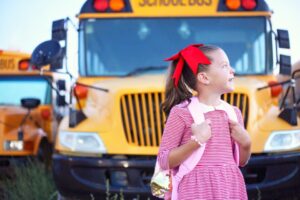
[273, 176]
[267, 176]
[84, 177]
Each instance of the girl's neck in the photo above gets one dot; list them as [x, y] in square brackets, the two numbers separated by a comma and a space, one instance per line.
[209, 98]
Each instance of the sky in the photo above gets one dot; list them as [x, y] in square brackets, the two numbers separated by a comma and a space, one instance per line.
[26, 23]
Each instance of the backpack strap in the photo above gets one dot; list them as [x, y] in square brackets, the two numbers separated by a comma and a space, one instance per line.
[190, 163]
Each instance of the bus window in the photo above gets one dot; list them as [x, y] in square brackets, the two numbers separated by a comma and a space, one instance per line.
[104, 51]
[15, 88]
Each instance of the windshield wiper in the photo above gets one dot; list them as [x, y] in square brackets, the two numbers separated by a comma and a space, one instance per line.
[145, 69]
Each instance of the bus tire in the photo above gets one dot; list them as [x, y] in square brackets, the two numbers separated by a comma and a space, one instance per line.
[44, 154]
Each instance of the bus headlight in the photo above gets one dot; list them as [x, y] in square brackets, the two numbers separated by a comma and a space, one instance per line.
[14, 145]
[82, 142]
[283, 140]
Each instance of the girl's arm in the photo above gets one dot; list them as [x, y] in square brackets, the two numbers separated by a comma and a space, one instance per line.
[181, 153]
[201, 132]
[245, 152]
[171, 152]
[241, 136]
[172, 135]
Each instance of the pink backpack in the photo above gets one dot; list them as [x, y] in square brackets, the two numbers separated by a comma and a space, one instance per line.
[163, 179]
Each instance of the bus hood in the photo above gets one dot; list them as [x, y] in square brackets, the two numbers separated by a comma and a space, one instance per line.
[134, 83]
[10, 118]
[148, 83]
[100, 104]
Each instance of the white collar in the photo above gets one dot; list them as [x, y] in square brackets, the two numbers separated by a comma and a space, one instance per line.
[207, 108]
[203, 108]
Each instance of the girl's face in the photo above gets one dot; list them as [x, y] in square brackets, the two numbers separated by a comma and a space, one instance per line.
[220, 74]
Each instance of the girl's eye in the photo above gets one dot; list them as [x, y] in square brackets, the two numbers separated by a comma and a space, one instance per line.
[224, 66]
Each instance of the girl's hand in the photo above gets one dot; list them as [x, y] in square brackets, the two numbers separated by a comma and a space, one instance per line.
[239, 134]
[202, 131]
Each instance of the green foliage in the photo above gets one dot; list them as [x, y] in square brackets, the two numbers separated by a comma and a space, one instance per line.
[115, 196]
[30, 181]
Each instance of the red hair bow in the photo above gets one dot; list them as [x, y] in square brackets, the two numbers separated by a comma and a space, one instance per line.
[193, 56]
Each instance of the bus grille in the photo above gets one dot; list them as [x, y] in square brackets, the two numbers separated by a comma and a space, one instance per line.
[143, 119]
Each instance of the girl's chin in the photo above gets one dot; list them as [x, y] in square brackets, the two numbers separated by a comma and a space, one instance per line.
[229, 88]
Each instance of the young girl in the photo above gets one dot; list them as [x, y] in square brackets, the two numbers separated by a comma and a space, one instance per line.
[206, 70]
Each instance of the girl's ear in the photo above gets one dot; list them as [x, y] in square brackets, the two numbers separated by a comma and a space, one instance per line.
[203, 78]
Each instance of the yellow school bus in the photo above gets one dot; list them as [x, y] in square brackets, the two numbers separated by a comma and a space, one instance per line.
[111, 143]
[27, 121]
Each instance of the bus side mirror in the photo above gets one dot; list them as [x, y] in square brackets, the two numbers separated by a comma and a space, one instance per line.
[59, 30]
[30, 103]
[46, 53]
[59, 33]
[283, 39]
[285, 66]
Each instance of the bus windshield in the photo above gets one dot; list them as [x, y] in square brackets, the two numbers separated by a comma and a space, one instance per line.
[116, 47]
[14, 88]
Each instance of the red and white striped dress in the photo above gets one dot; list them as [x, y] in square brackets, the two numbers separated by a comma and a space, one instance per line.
[216, 176]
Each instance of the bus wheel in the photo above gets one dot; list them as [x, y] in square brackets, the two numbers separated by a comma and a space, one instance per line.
[44, 153]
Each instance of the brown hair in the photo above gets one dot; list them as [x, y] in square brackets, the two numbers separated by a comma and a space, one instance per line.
[186, 82]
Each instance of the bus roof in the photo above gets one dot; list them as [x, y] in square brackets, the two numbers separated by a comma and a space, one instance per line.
[172, 8]
[15, 62]
[14, 53]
